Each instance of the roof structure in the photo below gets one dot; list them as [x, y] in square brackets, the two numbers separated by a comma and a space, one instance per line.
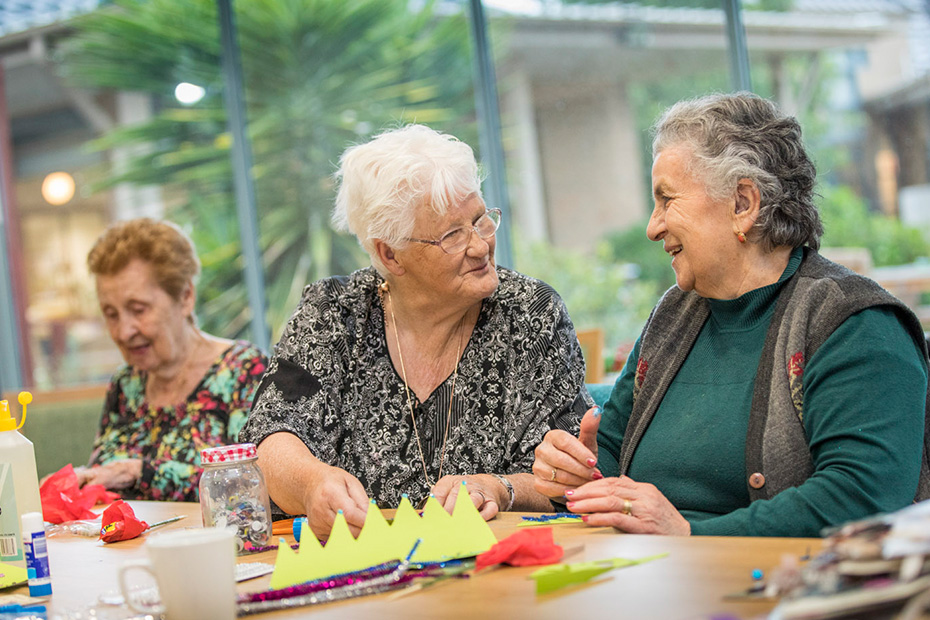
[20, 15]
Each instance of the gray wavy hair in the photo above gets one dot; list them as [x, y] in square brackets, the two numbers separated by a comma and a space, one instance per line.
[743, 136]
[385, 182]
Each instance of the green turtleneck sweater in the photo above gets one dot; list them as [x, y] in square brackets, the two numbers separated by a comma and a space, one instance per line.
[864, 399]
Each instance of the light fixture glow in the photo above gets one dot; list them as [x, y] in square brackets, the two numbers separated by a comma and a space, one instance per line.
[188, 94]
[58, 188]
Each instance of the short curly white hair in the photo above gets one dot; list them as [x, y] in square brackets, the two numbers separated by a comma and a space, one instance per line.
[385, 182]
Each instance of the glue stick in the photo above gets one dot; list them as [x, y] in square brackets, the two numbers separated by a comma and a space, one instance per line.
[36, 549]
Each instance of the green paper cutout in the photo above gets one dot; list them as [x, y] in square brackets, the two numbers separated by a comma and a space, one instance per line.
[443, 537]
[555, 577]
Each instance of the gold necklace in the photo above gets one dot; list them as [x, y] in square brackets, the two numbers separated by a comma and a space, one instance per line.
[382, 289]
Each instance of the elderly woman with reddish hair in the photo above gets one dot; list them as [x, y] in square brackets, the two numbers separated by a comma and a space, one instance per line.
[181, 389]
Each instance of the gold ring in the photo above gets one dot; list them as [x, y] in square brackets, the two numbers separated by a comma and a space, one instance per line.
[552, 477]
[628, 508]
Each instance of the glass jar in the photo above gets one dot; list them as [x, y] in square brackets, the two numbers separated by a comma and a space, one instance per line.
[233, 494]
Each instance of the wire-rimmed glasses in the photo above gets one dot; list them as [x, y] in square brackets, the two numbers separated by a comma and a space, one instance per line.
[457, 239]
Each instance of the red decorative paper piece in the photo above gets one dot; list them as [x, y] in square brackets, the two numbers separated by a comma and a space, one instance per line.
[64, 500]
[529, 547]
[119, 522]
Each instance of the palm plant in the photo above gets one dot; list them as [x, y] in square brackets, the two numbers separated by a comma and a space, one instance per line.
[319, 75]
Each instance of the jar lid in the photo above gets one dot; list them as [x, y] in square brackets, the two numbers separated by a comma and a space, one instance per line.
[228, 454]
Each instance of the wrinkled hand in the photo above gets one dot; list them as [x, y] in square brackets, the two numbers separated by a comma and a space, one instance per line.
[564, 462]
[335, 489]
[486, 493]
[629, 506]
[114, 476]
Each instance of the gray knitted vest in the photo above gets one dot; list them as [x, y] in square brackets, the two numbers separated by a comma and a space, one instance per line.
[812, 304]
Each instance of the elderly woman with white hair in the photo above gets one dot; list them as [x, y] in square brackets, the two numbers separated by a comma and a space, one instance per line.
[432, 367]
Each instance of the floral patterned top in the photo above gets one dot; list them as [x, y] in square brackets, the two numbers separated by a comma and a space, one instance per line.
[332, 384]
[169, 439]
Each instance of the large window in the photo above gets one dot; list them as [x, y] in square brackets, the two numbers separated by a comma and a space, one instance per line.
[128, 100]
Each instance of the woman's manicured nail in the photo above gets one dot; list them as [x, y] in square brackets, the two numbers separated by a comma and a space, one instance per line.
[597, 412]
[570, 504]
[597, 475]
[591, 462]
[569, 493]
[584, 518]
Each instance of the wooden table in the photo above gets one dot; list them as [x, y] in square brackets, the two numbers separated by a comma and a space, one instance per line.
[690, 583]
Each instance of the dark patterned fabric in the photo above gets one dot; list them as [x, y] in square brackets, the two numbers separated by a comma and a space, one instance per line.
[332, 384]
[169, 439]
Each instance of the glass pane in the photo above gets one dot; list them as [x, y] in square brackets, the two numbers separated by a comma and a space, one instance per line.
[857, 81]
[581, 83]
[319, 77]
[129, 101]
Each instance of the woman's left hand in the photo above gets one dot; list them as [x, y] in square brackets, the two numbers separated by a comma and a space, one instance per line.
[483, 489]
[115, 475]
[633, 507]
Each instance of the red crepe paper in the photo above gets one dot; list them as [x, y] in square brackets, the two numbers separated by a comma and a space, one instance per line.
[529, 547]
[119, 522]
[63, 499]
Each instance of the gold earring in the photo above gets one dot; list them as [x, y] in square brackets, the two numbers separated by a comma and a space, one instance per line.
[741, 236]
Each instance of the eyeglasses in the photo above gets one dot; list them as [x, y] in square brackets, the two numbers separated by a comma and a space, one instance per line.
[457, 240]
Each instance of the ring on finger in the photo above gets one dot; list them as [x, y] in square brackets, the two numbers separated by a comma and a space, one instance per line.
[552, 477]
[628, 507]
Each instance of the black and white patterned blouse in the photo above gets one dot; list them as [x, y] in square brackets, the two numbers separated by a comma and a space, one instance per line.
[332, 384]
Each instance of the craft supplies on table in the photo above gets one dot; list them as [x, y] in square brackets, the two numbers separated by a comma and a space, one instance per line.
[19, 483]
[233, 493]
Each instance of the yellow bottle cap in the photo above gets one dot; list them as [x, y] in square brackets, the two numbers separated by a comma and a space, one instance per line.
[6, 422]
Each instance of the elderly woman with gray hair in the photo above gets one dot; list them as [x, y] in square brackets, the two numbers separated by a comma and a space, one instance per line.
[771, 392]
[432, 367]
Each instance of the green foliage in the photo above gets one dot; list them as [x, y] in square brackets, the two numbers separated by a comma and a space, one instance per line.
[632, 246]
[849, 223]
[598, 291]
[319, 75]
[758, 5]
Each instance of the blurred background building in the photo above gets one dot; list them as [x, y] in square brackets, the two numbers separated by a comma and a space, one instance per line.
[111, 110]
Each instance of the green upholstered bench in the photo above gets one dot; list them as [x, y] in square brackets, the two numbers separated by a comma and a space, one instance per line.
[61, 425]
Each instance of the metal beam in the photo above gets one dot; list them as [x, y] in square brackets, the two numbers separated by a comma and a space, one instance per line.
[489, 129]
[241, 154]
[14, 367]
[10, 376]
[737, 52]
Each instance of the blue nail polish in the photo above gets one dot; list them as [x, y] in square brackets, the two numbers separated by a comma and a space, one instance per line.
[597, 412]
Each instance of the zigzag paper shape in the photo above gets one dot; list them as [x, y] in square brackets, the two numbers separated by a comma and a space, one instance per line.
[442, 536]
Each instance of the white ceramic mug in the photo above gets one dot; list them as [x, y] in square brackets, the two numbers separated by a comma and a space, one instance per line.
[195, 570]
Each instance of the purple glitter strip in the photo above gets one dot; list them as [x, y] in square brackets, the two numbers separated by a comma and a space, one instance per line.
[334, 581]
[319, 586]
[256, 549]
[345, 579]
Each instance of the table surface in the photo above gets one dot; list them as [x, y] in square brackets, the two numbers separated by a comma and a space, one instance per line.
[690, 582]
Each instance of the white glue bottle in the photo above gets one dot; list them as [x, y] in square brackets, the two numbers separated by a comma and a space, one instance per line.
[36, 549]
[19, 482]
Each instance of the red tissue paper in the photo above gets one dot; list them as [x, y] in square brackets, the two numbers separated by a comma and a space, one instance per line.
[529, 547]
[119, 522]
[64, 500]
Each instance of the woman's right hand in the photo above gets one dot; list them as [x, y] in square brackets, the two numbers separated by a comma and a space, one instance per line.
[565, 462]
[333, 490]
